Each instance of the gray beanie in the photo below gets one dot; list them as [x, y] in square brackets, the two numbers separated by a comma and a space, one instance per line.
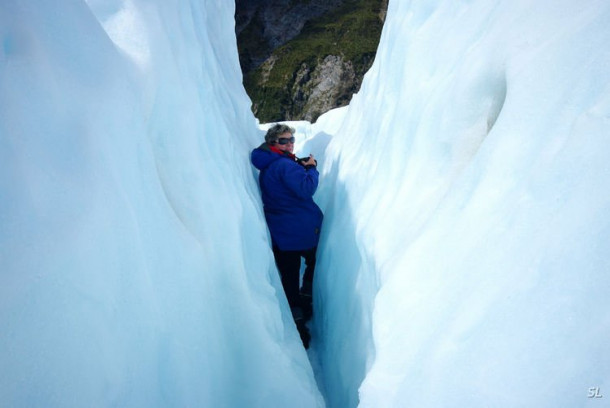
[276, 131]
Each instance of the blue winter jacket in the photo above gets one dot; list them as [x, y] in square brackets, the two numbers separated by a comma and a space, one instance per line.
[293, 218]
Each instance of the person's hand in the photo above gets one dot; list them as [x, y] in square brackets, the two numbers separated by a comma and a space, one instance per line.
[310, 161]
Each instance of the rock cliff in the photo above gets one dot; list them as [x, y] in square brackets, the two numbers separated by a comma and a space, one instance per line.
[303, 58]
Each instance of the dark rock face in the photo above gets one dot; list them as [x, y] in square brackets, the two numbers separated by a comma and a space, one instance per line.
[320, 89]
[301, 58]
[263, 25]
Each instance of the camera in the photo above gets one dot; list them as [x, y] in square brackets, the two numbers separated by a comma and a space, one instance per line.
[303, 160]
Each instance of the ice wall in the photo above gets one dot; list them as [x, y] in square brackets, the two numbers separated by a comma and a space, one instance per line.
[135, 267]
[464, 259]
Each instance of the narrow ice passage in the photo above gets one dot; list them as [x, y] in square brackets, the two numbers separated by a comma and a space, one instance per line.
[463, 259]
[339, 309]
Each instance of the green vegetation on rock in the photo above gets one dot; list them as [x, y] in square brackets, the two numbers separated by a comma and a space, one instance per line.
[351, 32]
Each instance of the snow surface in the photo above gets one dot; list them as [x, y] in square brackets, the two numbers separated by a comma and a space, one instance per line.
[464, 256]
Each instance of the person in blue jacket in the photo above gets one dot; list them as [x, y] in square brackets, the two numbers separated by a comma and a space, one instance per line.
[287, 185]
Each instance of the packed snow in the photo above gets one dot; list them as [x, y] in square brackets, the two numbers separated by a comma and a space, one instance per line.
[464, 256]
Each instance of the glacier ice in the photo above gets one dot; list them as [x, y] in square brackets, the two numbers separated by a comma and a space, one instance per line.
[466, 251]
[463, 259]
[134, 262]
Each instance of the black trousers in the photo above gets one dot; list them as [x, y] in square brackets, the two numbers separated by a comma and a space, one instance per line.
[289, 265]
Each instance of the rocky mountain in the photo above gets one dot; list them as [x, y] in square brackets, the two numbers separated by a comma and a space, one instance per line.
[301, 58]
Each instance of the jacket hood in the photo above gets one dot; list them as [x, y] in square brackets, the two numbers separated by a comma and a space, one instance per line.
[262, 157]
